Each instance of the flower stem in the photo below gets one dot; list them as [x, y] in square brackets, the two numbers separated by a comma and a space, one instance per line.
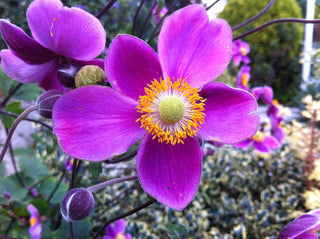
[100, 186]
[13, 127]
[146, 204]
[9, 96]
[295, 20]
[147, 19]
[105, 9]
[212, 5]
[136, 17]
[254, 17]
[118, 160]
[27, 119]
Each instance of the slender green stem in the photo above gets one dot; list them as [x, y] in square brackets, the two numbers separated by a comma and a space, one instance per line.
[146, 204]
[100, 186]
[71, 230]
[13, 127]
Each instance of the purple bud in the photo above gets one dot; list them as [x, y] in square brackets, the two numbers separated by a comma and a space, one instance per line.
[77, 204]
[46, 102]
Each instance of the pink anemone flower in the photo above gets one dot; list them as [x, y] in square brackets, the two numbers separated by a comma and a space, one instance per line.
[261, 142]
[243, 77]
[61, 36]
[167, 101]
[240, 51]
[117, 231]
[35, 230]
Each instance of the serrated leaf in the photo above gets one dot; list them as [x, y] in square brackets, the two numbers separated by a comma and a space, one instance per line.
[33, 167]
[6, 83]
[95, 169]
[177, 232]
[14, 107]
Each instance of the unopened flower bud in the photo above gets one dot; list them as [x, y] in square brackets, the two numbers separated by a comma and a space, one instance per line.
[46, 102]
[90, 75]
[77, 204]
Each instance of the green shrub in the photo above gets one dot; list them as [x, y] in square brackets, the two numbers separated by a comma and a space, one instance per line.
[275, 49]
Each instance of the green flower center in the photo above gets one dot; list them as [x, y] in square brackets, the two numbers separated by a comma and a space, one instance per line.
[171, 109]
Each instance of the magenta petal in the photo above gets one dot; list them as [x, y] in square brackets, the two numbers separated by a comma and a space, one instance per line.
[170, 174]
[304, 227]
[244, 144]
[191, 47]
[24, 46]
[131, 64]
[96, 62]
[42, 74]
[70, 32]
[261, 146]
[116, 227]
[272, 142]
[95, 123]
[228, 114]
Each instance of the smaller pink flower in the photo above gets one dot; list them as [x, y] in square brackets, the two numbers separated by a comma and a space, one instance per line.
[117, 231]
[261, 142]
[35, 230]
[243, 77]
[159, 14]
[240, 50]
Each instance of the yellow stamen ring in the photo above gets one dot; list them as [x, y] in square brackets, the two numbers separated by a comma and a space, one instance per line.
[33, 221]
[258, 137]
[245, 79]
[171, 110]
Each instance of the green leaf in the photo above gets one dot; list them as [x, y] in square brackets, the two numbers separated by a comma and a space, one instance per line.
[177, 232]
[14, 107]
[3, 169]
[4, 215]
[81, 230]
[28, 92]
[95, 169]
[6, 83]
[160, 5]
[33, 167]
[4, 201]
[47, 187]
[12, 187]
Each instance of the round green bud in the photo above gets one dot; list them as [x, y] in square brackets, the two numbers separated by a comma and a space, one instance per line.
[171, 109]
[90, 75]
